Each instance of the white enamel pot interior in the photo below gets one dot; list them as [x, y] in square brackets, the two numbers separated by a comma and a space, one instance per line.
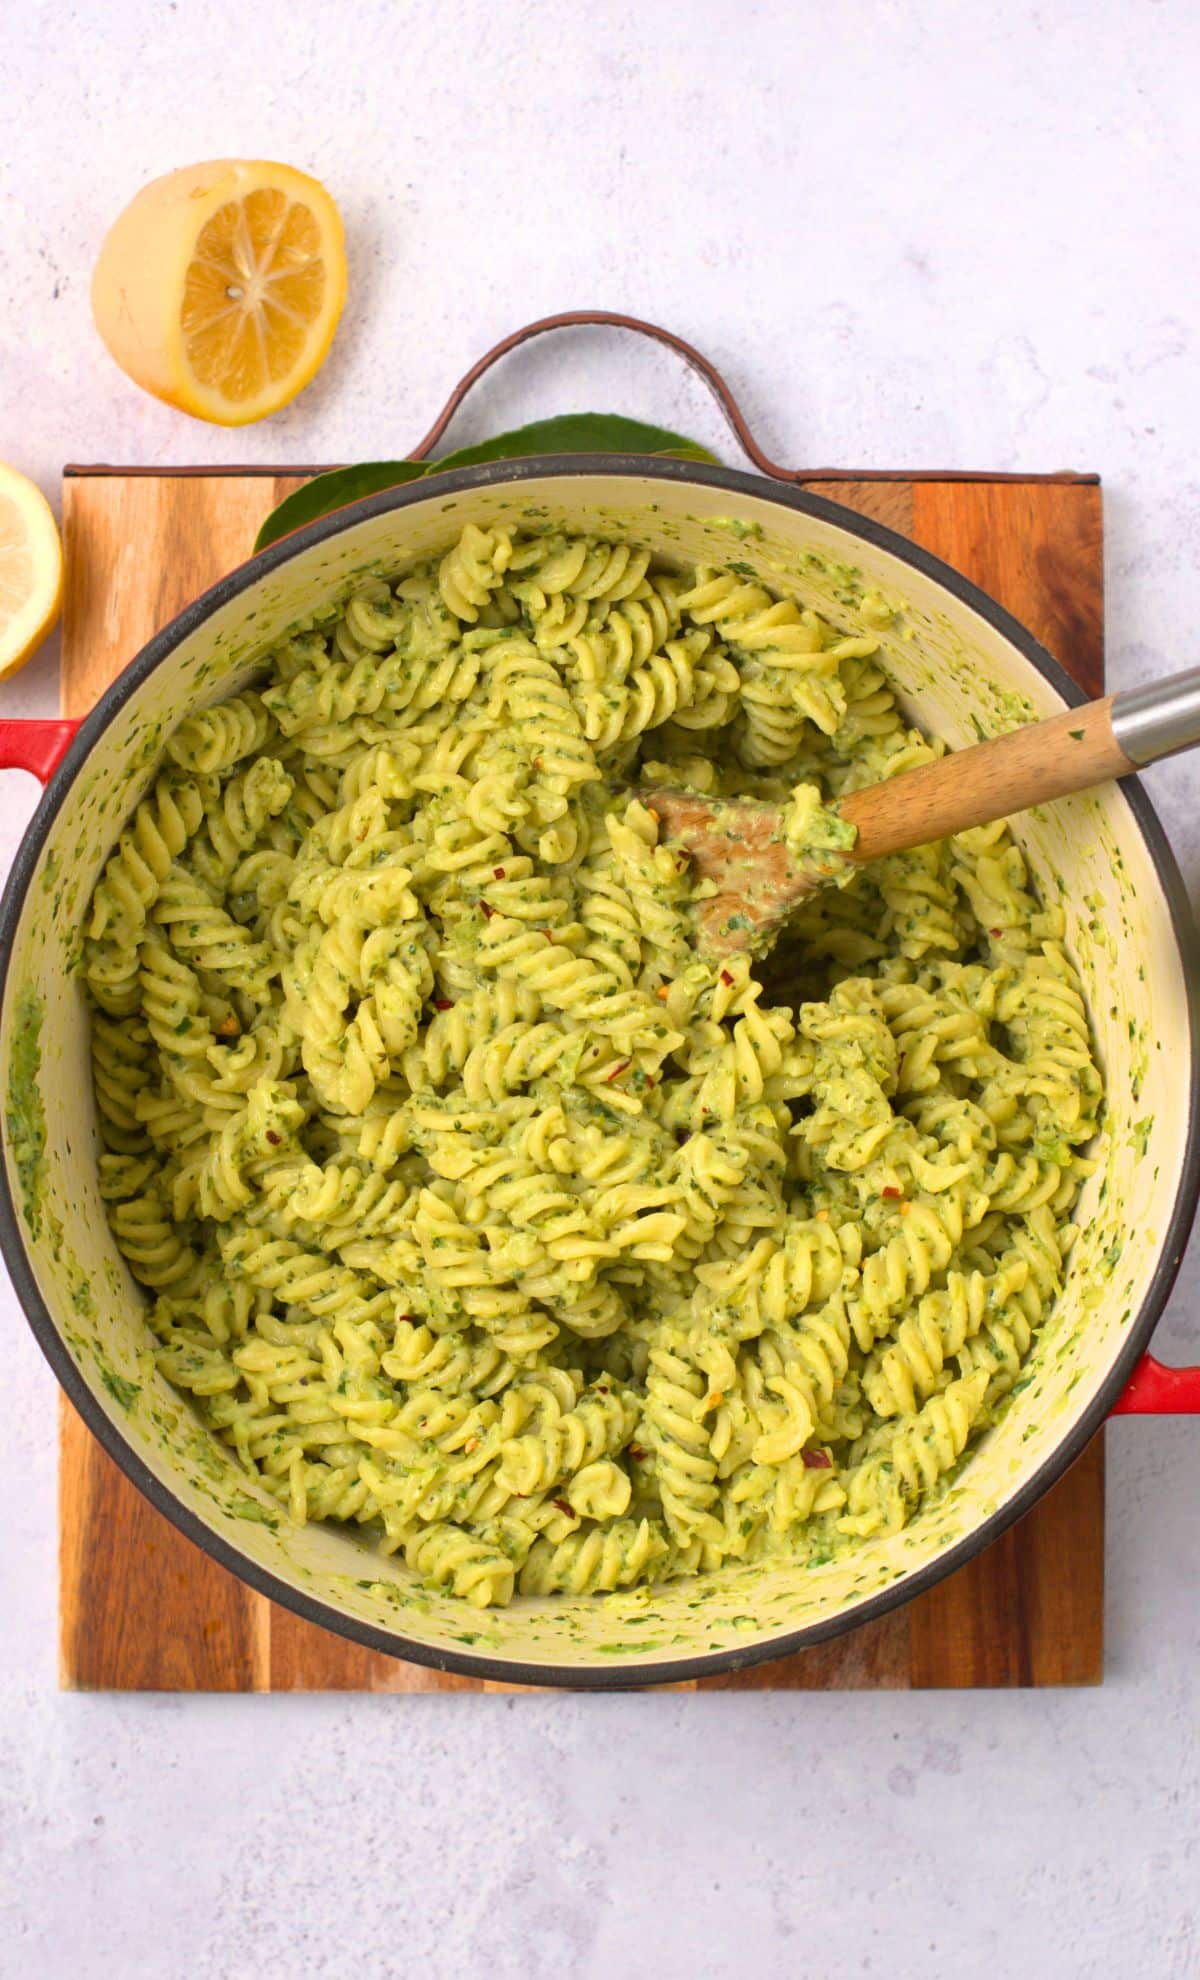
[959, 661]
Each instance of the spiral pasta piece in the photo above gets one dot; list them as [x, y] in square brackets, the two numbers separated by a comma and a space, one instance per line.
[155, 837]
[234, 821]
[597, 1559]
[469, 573]
[882, 1490]
[214, 739]
[599, 1425]
[448, 1556]
[199, 929]
[675, 1431]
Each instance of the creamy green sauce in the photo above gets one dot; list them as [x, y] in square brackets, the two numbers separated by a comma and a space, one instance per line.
[24, 1115]
[818, 839]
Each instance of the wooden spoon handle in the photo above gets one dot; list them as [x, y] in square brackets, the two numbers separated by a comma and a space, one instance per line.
[1068, 752]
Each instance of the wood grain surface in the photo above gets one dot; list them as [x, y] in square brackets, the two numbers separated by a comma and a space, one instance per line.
[141, 1607]
[1030, 765]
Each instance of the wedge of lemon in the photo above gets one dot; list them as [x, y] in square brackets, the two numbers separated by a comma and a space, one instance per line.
[220, 286]
[31, 569]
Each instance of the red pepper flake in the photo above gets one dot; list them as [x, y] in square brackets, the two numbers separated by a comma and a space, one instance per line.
[617, 1071]
[536, 762]
[638, 1455]
[488, 912]
[497, 873]
[442, 1004]
[228, 1027]
[547, 932]
[996, 932]
[888, 1190]
[274, 1138]
[564, 1506]
[817, 1461]
[726, 977]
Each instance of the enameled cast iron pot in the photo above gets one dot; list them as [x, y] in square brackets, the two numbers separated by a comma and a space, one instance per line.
[1104, 856]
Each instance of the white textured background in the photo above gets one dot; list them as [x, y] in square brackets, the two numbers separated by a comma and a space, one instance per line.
[949, 235]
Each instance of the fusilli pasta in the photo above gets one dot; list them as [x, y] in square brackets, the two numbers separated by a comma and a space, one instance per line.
[478, 1207]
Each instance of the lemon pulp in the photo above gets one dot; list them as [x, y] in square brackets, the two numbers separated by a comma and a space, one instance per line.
[256, 284]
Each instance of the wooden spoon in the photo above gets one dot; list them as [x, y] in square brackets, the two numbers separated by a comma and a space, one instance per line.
[738, 844]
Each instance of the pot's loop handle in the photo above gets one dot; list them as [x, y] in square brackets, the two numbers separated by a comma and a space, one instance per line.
[719, 389]
[610, 319]
[1156, 1390]
[38, 747]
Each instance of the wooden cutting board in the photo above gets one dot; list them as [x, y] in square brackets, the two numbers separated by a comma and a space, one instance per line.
[141, 1607]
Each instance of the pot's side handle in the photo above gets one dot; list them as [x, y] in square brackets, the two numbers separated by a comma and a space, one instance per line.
[38, 747]
[1156, 1390]
[609, 319]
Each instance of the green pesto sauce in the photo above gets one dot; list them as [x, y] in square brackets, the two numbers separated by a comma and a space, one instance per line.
[24, 1115]
[244, 1508]
[122, 1392]
[818, 839]
[762, 886]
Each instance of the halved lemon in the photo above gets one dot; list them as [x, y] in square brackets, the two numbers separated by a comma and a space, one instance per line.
[220, 286]
[31, 569]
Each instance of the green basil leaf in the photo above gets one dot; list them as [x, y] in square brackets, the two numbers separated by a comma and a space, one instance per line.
[569, 433]
[578, 433]
[326, 492]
